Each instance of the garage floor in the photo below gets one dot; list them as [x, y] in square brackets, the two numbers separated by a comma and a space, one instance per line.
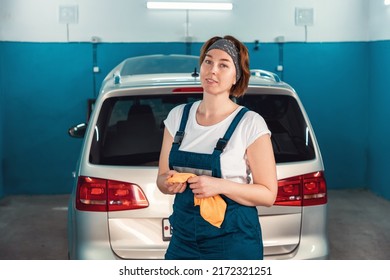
[34, 227]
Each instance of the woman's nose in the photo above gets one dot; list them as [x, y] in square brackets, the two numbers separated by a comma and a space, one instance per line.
[214, 69]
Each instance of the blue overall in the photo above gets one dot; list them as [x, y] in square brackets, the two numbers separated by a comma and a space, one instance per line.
[193, 237]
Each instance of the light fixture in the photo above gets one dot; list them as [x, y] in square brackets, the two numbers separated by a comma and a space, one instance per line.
[189, 6]
[387, 2]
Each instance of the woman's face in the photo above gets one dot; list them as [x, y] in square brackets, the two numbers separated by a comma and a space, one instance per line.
[217, 72]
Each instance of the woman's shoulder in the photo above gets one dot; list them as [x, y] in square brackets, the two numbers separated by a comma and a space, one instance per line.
[253, 115]
[179, 108]
[176, 112]
[255, 122]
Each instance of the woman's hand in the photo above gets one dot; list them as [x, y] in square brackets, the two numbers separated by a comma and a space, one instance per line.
[204, 186]
[174, 188]
[170, 187]
[164, 173]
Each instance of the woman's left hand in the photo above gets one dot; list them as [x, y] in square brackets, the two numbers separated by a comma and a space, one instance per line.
[204, 186]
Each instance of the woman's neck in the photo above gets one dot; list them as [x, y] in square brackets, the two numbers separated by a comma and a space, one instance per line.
[213, 109]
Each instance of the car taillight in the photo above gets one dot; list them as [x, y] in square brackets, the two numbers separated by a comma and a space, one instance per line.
[94, 194]
[304, 190]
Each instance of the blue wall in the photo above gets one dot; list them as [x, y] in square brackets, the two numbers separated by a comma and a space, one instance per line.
[1, 122]
[44, 91]
[45, 86]
[379, 132]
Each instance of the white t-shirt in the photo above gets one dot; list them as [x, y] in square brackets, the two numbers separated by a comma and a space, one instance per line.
[202, 139]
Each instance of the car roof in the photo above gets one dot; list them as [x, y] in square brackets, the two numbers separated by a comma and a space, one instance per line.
[172, 70]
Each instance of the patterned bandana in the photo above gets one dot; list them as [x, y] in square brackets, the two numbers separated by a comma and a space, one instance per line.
[228, 47]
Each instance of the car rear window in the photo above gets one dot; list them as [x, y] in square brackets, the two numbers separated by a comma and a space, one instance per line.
[160, 64]
[129, 130]
[291, 138]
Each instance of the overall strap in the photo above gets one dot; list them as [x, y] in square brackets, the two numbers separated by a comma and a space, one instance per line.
[222, 142]
[180, 133]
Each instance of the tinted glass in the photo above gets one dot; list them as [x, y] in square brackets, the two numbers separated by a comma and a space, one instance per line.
[129, 129]
[160, 64]
[291, 138]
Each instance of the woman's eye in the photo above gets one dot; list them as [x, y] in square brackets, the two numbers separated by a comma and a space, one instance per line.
[207, 61]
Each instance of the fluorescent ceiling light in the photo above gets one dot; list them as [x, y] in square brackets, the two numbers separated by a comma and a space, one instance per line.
[189, 6]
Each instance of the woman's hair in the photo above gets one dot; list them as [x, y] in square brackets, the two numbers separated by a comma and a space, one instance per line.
[241, 85]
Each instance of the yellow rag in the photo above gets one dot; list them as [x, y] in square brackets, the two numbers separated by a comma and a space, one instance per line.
[212, 209]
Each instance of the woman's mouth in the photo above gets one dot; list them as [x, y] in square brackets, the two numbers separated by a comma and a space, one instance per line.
[211, 81]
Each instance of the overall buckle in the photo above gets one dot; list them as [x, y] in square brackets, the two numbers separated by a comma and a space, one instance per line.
[178, 137]
[221, 144]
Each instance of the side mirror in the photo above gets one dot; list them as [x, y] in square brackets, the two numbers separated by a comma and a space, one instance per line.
[78, 131]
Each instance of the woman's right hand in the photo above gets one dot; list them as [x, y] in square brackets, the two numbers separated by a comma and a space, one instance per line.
[169, 187]
[164, 172]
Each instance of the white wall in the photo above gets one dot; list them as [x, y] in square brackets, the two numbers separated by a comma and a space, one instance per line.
[379, 20]
[130, 21]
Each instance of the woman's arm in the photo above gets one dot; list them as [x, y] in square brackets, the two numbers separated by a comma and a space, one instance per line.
[262, 192]
[163, 168]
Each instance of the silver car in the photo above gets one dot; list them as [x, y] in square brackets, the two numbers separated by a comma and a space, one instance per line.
[116, 210]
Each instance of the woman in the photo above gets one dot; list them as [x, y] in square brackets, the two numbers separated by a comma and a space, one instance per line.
[229, 149]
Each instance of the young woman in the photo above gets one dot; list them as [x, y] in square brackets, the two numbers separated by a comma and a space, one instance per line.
[229, 150]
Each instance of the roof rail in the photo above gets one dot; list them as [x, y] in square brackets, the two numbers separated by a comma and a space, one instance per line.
[265, 74]
[117, 77]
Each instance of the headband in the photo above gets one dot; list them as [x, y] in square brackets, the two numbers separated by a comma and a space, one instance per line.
[228, 47]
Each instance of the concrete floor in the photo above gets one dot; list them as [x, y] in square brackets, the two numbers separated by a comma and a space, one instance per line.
[34, 227]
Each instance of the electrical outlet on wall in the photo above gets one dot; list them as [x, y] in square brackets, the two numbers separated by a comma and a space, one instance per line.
[304, 16]
[68, 14]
